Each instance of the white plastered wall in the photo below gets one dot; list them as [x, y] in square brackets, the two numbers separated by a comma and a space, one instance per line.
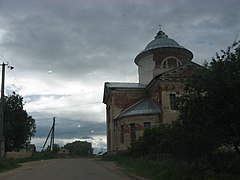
[145, 69]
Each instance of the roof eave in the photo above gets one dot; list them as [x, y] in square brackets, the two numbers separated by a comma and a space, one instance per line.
[134, 115]
[142, 54]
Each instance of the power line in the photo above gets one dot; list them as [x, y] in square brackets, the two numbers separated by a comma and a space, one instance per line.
[64, 119]
[14, 78]
[76, 105]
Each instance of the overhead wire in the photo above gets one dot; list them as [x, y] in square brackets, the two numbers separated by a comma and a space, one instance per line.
[76, 105]
[11, 75]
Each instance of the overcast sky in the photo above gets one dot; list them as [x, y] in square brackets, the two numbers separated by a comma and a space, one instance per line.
[63, 52]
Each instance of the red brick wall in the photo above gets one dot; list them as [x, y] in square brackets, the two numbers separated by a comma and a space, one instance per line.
[159, 57]
[123, 100]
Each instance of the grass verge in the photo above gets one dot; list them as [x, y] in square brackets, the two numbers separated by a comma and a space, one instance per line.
[170, 169]
[9, 163]
[37, 156]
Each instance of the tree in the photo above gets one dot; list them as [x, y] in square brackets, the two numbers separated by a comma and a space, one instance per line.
[210, 107]
[19, 127]
[79, 148]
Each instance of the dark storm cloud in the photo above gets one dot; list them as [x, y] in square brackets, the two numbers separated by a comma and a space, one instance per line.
[70, 39]
[71, 128]
[78, 37]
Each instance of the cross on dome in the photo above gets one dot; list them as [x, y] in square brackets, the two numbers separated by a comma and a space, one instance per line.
[160, 27]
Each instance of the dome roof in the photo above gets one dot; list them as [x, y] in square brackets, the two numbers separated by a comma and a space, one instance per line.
[161, 40]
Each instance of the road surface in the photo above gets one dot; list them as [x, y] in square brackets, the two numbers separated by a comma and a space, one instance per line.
[66, 169]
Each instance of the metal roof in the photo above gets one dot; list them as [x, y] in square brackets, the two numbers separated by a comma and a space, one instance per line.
[124, 85]
[142, 107]
[161, 40]
[120, 86]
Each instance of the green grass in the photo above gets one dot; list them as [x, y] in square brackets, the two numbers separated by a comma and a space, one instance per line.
[166, 169]
[156, 169]
[7, 164]
[37, 156]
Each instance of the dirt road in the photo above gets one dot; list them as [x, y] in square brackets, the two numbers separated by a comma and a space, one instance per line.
[66, 169]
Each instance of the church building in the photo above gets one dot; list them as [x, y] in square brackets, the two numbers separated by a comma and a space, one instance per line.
[163, 68]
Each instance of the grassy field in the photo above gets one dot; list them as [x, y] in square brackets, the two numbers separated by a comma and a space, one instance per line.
[166, 169]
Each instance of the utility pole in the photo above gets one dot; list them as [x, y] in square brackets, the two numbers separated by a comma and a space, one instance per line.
[52, 136]
[52, 132]
[2, 138]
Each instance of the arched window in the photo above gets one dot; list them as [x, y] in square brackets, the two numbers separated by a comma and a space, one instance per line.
[164, 64]
[170, 62]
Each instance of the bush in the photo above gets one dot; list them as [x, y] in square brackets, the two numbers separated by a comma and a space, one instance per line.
[154, 142]
[225, 162]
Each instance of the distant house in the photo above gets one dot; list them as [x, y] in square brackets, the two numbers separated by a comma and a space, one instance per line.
[163, 68]
[32, 148]
[27, 147]
[63, 153]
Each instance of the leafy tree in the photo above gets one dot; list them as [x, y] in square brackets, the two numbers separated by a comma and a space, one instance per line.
[210, 108]
[79, 148]
[19, 127]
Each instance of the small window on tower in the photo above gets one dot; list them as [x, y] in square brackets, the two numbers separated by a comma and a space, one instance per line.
[164, 65]
[172, 62]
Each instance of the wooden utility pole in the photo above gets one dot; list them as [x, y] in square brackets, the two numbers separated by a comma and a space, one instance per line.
[52, 132]
[2, 138]
[52, 136]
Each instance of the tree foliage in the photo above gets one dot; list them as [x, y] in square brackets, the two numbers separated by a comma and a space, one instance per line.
[79, 148]
[19, 127]
[210, 108]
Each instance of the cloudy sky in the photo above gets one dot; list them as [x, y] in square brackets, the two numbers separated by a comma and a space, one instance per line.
[63, 52]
